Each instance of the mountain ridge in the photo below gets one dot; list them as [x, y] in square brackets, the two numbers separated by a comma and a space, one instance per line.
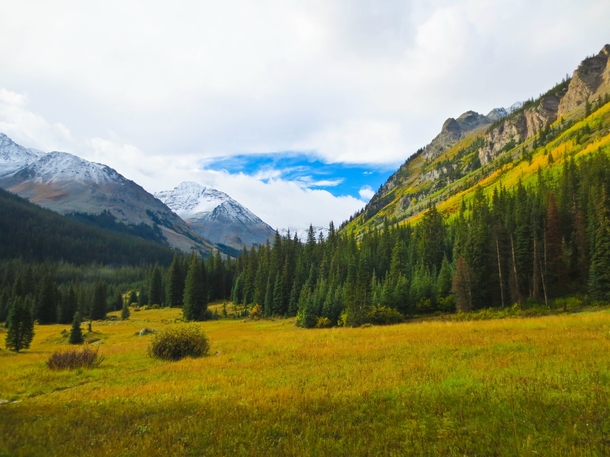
[216, 216]
[66, 184]
[462, 148]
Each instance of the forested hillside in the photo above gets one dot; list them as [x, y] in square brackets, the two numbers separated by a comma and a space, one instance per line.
[36, 235]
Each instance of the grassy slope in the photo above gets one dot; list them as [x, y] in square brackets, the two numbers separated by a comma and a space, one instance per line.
[450, 197]
[506, 387]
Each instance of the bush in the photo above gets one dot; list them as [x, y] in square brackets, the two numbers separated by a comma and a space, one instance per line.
[323, 322]
[74, 358]
[256, 312]
[382, 315]
[179, 341]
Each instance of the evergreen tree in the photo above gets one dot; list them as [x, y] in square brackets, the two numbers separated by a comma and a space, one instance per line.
[4, 305]
[305, 316]
[125, 313]
[118, 301]
[76, 333]
[445, 279]
[133, 297]
[98, 305]
[47, 300]
[155, 287]
[67, 307]
[599, 274]
[20, 325]
[175, 283]
[462, 286]
[195, 292]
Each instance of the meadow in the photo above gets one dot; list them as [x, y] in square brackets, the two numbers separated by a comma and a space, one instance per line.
[507, 387]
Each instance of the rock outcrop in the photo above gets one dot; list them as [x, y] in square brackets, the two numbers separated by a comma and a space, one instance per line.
[590, 79]
[454, 130]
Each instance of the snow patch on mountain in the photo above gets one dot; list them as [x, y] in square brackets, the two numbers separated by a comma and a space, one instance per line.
[14, 156]
[191, 200]
[62, 166]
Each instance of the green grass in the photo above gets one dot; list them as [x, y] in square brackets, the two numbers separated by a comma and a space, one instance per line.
[526, 386]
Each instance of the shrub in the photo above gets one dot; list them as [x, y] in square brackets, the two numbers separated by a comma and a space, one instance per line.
[179, 341]
[382, 315]
[323, 322]
[74, 358]
[256, 312]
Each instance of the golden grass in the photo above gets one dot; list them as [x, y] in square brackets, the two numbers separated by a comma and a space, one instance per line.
[506, 387]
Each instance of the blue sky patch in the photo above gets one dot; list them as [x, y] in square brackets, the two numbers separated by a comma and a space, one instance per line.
[337, 178]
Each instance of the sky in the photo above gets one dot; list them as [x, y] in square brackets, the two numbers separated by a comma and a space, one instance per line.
[298, 110]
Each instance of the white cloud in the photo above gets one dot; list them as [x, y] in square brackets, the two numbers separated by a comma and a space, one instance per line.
[278, 202]
[24, 126]
[155, 91]
[366, 193]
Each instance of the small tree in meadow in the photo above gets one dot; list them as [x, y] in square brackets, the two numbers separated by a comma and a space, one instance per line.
[125, 312]
[76, 334]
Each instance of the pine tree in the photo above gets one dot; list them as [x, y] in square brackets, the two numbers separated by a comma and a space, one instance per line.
[155, 287]
[76, 333]
[98, 306]
[67, 307]
[444, 280]
[125, 313]
[47, 300]
[553, 253]
[4, 305]
[133, 297]
[599, 274]
[175, 283]
[20, 324]
[462, 286]
[195, 292]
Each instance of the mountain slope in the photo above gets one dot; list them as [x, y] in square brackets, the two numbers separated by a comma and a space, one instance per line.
[35, 234]
[460, 158]
[67, 184]
[216, 216]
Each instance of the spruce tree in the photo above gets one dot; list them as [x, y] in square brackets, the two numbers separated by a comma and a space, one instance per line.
[462, 286]
[195, 292]
[20, 324]
[175, 283]
[133, 297]
[47, 300]
[98, 306]
[4, 305]
[599, 274]
[76, 334]
[125, 312]
[155, 287]
[67, 307]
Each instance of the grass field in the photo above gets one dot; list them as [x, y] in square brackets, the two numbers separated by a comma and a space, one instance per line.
[506, 387]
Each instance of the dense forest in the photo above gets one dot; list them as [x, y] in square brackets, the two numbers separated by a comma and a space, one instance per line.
[530, 242]
[519, 246]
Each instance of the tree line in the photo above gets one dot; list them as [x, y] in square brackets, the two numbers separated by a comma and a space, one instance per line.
[529, 244]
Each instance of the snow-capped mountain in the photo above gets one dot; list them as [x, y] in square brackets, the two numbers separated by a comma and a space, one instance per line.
[14, 156]
[216, 216]
[67, 184]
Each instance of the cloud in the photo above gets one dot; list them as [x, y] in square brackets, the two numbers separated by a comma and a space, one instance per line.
[366, 193]
[24, 126]
[161, 91]
[281, 203]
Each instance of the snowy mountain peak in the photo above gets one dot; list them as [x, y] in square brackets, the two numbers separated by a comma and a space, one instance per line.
[190, 198]
[14, 156]
[62, 166]
[215, 215]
